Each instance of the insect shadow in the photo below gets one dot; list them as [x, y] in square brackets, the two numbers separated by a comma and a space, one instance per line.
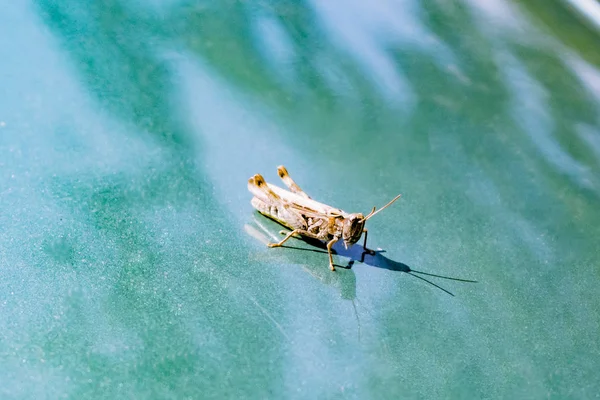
[373, 258]
[345, 283]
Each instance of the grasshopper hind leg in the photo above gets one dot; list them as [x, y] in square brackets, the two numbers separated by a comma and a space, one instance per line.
[302, 232]
[289, 182]
[296, 233]
[285, 239]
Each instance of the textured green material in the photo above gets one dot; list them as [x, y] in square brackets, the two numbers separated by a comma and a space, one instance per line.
[131, 261]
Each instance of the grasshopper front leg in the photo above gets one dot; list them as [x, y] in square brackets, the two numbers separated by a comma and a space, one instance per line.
[365, 249]
[329, 246]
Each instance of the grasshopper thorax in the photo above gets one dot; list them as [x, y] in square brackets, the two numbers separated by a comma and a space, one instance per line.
[353, 228]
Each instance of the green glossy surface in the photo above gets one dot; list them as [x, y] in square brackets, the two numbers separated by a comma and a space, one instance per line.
[131, 261]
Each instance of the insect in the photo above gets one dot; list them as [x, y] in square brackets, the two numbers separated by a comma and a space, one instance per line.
[307, 217]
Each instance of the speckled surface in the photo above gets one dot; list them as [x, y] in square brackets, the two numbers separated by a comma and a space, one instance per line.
[133, 266]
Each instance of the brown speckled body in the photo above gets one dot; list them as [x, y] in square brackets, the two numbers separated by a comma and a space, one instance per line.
[305, 216]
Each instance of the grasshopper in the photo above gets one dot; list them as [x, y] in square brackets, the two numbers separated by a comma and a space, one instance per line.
[306, 217]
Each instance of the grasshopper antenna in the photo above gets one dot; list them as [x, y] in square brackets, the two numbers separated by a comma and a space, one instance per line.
[373, 212]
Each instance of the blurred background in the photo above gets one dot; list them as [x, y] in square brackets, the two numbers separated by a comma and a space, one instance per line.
[132, 264]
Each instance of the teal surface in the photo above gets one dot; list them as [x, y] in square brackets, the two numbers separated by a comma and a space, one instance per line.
[132, 264]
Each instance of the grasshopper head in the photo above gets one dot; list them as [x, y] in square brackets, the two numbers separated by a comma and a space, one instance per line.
[354, 224]
[353, 229]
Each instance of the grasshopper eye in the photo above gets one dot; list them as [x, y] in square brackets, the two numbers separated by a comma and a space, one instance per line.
[353, 227]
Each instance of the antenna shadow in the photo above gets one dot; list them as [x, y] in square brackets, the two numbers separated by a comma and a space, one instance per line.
[373, 258]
